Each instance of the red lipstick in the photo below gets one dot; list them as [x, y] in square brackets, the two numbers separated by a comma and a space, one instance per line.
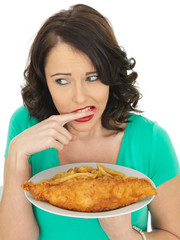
[92, 108]
[87, 118]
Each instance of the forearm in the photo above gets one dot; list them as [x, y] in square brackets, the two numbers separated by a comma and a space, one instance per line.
[130, 234]
[16, 216]
[160, 234]
[154, 235]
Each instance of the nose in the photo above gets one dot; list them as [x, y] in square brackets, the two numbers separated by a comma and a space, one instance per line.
[79, 94]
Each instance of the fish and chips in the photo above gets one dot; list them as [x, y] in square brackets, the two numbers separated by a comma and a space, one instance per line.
[87, 189]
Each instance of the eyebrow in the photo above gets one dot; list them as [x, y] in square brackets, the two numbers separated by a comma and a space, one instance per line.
[69, 74]
[56, 74]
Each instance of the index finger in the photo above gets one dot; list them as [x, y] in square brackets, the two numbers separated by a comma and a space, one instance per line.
[68, 117]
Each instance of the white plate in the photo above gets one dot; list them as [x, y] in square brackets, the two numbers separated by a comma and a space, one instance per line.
[56, 210]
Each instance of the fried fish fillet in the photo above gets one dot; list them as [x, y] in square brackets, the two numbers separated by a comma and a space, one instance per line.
[91, 194]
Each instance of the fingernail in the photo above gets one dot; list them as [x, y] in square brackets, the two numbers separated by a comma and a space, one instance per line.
[94, 109]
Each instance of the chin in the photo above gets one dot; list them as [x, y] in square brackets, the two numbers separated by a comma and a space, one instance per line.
[81, 126]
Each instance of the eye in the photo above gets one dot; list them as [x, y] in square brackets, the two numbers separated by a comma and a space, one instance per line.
[61, 81]
[92, 78]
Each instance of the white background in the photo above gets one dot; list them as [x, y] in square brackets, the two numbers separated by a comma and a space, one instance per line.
[148, 30]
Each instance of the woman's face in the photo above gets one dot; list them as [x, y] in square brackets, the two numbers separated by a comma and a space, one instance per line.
[74, 84]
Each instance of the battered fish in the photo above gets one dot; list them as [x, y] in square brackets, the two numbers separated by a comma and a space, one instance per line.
[91, 194]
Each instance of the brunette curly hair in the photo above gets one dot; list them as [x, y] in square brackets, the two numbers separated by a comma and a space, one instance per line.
[90, 32]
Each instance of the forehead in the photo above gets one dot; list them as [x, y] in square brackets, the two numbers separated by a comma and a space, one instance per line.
[68, 58]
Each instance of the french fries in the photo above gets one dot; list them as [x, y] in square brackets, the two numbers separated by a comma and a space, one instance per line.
[101, 169]
[85, 172]
[111, 171]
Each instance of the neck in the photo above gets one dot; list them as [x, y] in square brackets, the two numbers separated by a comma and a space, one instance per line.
[96, 132]
[87, 135]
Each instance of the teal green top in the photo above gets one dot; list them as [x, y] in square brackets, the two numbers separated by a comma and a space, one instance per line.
[146, 147]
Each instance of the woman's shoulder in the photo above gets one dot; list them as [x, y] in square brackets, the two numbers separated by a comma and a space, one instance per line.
[22, 117]
[143, 126]
[141, 122]
[20, 112]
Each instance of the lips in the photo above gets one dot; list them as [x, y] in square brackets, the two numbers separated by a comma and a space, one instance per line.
[87, 118]
[84, 119]
[84, 109]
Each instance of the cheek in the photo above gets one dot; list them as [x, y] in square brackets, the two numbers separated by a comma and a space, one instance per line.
[59, 99]
[103, 95]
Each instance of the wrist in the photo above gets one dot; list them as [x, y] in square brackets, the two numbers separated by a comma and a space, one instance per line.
[16, 150]
[17, 161]
[128, 235]
[140, 232]
[17, 170]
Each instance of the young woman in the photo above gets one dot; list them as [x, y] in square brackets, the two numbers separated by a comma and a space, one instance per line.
[80, 105]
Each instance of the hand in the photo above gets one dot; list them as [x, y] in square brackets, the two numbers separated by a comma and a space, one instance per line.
[119, 227]
[49, 133]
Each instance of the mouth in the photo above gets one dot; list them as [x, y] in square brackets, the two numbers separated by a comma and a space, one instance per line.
[84, 109]
[87, 118]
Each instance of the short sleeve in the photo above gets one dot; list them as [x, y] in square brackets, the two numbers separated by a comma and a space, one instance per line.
[164, 162]
[17, 124]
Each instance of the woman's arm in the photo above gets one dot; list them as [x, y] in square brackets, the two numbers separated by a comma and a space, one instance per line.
[17, 220]
[16, 216]
[165, 211]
